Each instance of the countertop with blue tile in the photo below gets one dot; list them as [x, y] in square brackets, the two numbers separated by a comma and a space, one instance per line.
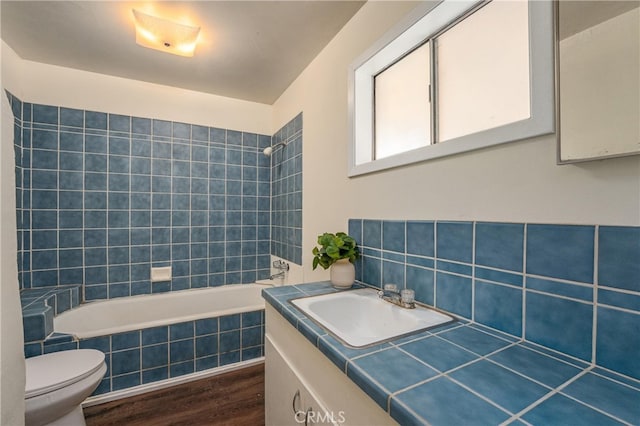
[464, 373]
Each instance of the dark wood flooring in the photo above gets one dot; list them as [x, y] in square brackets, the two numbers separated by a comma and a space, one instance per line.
[234, 398]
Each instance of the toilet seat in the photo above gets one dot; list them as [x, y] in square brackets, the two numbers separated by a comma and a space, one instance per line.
[50, 372]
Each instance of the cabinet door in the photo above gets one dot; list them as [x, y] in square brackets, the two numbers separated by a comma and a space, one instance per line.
[315, 413]
[282, 390]
[287, 400]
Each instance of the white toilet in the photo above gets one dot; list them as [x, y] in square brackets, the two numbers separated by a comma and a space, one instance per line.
[57, 383]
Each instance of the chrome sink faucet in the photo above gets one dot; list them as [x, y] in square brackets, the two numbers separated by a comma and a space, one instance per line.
[403, 298]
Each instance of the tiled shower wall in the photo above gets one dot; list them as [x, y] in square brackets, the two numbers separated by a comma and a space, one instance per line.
[286, 215]
[16, 106]
[572, 288]
[103, 197]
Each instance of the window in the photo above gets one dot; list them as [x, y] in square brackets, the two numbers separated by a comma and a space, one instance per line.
[454, 77]
[483, 70]
[402, 106]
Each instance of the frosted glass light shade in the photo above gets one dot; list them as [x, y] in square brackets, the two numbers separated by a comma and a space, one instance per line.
[167, 36]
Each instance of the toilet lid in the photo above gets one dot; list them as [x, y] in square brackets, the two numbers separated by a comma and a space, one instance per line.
[46, 373]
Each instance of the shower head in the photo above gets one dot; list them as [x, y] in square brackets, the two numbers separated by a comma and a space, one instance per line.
[269, 150]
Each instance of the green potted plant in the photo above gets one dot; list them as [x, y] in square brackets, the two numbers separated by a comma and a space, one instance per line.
[338, 252]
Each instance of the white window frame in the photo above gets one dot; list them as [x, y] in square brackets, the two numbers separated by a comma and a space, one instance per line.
[421, 24]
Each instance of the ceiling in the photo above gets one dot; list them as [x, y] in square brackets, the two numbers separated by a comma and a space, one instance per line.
[249, 50]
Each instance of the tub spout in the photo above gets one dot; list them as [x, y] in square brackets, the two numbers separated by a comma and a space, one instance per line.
[278, 275]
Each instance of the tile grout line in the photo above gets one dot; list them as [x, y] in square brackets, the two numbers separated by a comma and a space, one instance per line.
[560, 280]
[594, 325]
[593, 407]
[558, 391]
[524, 281]
[556, 354]
[479, 395]
[408, 409]
[107, 204]
[130, 142]
[560, 296]
[405, 266]
[474, 228]
[82, 210]
[58, 168]
[172, 177]
[435, 257]
[446, 374]
[226, 218]
[635, 387]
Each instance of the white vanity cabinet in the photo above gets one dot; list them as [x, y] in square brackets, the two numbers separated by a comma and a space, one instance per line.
[288, 399]
[299, 378]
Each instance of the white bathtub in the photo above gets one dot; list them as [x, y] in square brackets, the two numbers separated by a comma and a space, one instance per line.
[146, 311]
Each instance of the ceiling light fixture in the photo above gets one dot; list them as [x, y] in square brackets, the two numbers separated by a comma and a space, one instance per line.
[167, 36]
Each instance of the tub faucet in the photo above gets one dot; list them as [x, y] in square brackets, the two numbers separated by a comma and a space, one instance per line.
[403, 298]
[278, 275]
[281, 266]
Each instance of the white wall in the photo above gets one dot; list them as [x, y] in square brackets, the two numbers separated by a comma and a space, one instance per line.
[517, 182]
[53, 85]
[12, 378]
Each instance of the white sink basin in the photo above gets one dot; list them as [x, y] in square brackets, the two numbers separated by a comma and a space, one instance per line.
[360, 318]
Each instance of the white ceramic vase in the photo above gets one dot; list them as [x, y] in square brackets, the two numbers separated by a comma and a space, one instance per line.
[343, 274]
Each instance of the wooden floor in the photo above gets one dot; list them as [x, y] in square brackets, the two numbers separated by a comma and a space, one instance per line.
[235, 398]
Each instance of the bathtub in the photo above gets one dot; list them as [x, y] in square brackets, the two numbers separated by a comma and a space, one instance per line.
[154, 341]
[146, 311]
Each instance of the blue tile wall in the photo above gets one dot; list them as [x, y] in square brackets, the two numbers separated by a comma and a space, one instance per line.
[286, 191]
[148, 355]
[564, 252]
[618, 254]
[544, 283]
[20, 142]
[101, 198]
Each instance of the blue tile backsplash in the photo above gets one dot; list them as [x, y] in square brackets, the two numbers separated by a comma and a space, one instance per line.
[573, 289]
[618, 254]
[564, 252]
[101, 198]
[499, 245]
